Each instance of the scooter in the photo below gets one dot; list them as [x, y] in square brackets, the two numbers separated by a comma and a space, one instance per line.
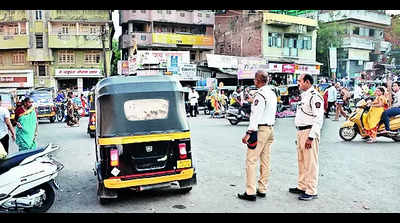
[27, 180]
[355, 125]
[236, 115]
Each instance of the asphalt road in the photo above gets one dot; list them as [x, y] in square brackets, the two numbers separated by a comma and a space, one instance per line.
[355, 177]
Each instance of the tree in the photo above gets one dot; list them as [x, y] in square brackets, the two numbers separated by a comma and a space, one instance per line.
[328, 35]
[116, 56]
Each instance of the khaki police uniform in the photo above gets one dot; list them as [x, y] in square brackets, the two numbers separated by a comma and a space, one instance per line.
[308, 121]
[262, 119]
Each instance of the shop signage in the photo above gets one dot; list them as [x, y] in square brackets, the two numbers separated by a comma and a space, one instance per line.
[162, 59]
[132, 65]
[307, 69]
[288, 68]
[274, 68]
[222, 61]
[247, 67]
[78, 72]
[16, 78]
[188, 70]
[169, 38]
[123, 67]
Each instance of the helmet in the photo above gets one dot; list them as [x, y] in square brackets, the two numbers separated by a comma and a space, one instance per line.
[252, 141]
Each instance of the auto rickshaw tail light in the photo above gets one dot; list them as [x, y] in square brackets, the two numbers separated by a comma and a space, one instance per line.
[93, 119]
[114, 157]
[182, 150]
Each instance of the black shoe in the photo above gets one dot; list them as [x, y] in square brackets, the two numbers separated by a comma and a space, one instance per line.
[307, 197]
[244, 196]
[260, 194]
[295, 190]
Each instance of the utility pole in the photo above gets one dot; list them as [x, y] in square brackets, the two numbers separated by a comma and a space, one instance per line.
[103, 37]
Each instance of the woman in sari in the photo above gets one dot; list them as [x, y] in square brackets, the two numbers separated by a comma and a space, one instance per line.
[26, 131]
[373, 117]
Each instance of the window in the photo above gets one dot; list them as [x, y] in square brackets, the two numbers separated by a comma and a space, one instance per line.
[146, 109]
[23, 28]
[200, 15]
[66, 57]
[92, 58]
[13, 29]
[143, 11]
[38, 14]
[39, 41]
[304, 43]
[159, 11]
[18, 58]
[168, 11]
[94, 29]
[371, 32]
[133, 11]
[2, 30]
[275, 40]
[182, 14]
[67, 28]
[42, 70]
[207, 15]
[1, 60]
[356, 30]
[143, 37]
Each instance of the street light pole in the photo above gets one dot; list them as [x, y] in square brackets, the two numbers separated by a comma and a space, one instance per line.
[103, 33]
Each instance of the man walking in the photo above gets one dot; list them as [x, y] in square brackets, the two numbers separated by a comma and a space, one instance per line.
[193, 100]
[5, 126]
[308, 121]
[262, 120]
[332, 94]
[394, 110]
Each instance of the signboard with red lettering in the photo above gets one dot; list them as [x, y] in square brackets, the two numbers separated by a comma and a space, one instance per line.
[78, 72]
[274, 68]
[288, 68]
[307, 69]
[16, 78]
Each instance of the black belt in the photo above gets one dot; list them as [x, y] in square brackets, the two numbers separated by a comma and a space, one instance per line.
[265, 125]
[303, 127]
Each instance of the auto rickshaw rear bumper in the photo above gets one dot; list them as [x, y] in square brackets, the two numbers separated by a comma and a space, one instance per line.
[188, 176]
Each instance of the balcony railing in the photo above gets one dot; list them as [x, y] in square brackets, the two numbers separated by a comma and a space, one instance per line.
[174, 16]
[361, 43]
[77, 41]
[363, 15]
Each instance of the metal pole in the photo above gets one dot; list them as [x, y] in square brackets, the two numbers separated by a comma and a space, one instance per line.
[103, 33]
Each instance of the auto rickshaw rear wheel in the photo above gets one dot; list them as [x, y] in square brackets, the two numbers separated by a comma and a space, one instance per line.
[233, 122]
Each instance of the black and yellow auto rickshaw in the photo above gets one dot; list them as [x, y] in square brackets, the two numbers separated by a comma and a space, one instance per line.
[143, 139]
[91, 130]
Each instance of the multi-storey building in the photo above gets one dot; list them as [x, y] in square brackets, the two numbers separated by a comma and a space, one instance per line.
[363, 40]
[168, 30]
[56, 48]
[287, 43]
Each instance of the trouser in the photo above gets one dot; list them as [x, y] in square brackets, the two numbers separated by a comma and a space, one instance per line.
[193, 110]
[265, 138]
[330, 104]
[5, 141]
[389, 113]
[307, 163]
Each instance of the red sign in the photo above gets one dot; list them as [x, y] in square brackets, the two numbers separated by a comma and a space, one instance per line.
[288, 68]
[13, 79]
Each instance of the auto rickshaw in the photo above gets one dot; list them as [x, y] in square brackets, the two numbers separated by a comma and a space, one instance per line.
[91, 130]
[143, 139]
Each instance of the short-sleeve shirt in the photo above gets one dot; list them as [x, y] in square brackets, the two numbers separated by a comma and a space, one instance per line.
[4, 113]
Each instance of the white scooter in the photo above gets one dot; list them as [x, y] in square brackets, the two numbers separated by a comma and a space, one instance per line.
[27, 180]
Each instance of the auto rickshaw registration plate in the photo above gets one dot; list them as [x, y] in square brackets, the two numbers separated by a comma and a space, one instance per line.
[184, 163]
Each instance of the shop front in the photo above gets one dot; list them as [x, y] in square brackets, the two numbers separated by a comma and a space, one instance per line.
[78, 80]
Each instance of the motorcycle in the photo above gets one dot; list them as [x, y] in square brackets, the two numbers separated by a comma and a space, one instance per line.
[60, 110]
[27, 180]
[236, 115]
[355, 125]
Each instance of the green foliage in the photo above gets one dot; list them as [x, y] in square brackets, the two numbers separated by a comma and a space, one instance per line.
[116, 56]
[329, 35]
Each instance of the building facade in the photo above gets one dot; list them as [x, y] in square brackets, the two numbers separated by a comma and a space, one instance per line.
[55, 48]
[287, 43]
[363, 41]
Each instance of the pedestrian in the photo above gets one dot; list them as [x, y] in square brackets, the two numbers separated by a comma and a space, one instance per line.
[332, 95]
[340, 100]
[262, 120]
[394, 110]
[5, 127]
[308, 121]
[357, 93]
[27, 125]
[193, 100]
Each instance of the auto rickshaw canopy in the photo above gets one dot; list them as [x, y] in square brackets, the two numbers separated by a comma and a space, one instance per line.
[139, 105]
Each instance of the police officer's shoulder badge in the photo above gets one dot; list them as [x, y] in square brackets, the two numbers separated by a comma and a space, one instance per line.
[318, 104]
[256, 102]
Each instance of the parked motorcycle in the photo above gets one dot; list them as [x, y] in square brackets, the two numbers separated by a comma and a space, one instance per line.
[27, 180]
[355, 125]
[236, 115]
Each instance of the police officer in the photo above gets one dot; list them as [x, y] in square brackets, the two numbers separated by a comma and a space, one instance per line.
[262, 120]
[308, 121]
